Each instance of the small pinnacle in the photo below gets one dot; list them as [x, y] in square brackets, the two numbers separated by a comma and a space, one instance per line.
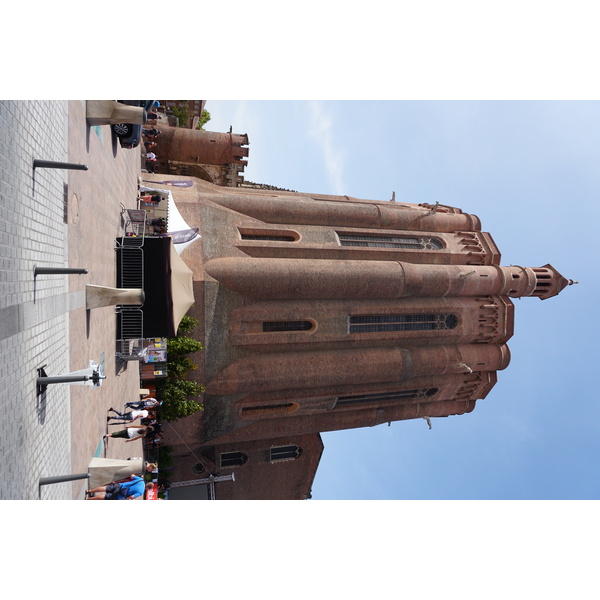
[571, 282]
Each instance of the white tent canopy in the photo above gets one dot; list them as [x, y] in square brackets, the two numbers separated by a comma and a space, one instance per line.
[175, 222]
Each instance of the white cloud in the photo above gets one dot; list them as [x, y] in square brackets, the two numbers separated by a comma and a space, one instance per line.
[321, 131]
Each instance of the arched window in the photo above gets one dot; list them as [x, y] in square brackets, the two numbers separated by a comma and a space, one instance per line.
[383, 396]
[287, 326]
[391, 241]
[268, 238]
[269, 410]
[269, 235]
[284, 453]
[374, 323]
[232, 459]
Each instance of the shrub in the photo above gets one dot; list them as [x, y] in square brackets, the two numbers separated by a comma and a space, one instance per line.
[171, 410]
[179, 366]
[186, 325]
[181, 345]
[178, 398]
[178, 389]
[179, 395]
[204, 119]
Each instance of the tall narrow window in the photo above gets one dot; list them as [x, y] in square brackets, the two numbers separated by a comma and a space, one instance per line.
[269, 410]
[374, 323]
[233, 459]
[382, 396]
[270, 238]
[284, 453]
[389, 241]
[287, 325]
[268, 234]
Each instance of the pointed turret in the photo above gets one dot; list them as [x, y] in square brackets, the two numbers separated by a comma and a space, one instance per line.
[548, 282]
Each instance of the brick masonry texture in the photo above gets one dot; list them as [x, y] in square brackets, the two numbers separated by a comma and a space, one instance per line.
[34, 439]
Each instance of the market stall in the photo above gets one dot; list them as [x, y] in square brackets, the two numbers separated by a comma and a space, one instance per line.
[168, 288]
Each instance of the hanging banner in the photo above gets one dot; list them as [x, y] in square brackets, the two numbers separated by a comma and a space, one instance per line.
[186, 235]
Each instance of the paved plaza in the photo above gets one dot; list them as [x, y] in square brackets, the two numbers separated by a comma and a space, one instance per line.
[58, 218]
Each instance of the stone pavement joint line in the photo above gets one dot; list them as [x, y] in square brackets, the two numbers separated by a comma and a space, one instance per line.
[57, 218]
[32, 231]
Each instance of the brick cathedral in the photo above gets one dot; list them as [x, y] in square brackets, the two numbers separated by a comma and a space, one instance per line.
[320, 313]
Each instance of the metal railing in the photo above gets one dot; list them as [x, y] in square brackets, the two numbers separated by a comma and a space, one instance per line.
[131, 349]
[131, 258]
[131, 318]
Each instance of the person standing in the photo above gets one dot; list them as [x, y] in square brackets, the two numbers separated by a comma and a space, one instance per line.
[150, 132]
[125, 490]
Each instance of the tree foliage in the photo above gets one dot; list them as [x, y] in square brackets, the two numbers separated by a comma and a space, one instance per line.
[179, 395]
[186, 325]
[171, 410]
[204, 119]
[181, 113]
[182, 345]
[180, 365]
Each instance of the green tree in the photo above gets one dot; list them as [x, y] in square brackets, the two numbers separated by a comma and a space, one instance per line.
[178, 394]
[186, 325]
[180, 365]
[178, 389]
[181, 113]
[171, 410]
[204, 119]
[177, 397]
[181, 345]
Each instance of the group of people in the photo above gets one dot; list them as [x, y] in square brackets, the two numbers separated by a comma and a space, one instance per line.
[143, 410]
[159, 224]
[155, 439]
[150, 135]
[129, 489]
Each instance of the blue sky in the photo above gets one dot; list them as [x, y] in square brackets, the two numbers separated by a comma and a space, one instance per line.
[529, 170]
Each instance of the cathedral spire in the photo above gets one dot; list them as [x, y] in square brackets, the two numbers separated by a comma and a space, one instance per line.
[549, 282]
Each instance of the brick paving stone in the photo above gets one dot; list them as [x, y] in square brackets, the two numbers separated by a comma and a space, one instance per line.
[44, 322]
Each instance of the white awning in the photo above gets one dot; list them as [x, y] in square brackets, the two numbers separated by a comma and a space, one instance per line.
[183, 235]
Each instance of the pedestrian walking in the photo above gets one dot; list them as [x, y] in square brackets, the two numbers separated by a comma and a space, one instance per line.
[129, 416]
[145, 402]
[130, 433]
